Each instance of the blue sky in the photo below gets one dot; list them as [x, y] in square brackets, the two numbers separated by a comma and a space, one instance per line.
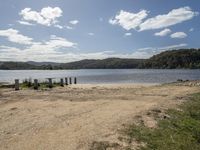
[70, 30]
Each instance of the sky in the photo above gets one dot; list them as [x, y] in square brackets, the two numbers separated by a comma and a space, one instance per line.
[71, 30]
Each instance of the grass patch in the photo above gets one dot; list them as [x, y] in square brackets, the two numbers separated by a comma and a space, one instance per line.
[103, 145]
[181, 131]
[28, 84]
[43, 85]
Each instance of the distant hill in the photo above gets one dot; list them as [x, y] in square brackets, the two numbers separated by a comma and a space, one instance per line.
[16, 66]
[173, 59]
[42, 63]
[184, 58]
[109, 63]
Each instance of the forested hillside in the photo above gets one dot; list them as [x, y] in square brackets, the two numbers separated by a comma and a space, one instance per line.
[110, 63]
[173, 59]
[185, 58]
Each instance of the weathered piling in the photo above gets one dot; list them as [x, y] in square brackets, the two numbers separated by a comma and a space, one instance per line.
[75, 80]
[50, 82]
[29, 82]
[16, 84]
[66, 81]
[36, 84]
[61, 82]
[70, 80]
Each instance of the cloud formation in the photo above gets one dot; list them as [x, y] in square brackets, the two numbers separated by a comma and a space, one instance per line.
[91, 34]
[164, 48]
[14, 36]
[58, 26]
[74, 22]
[150, 51]
[69, 27]
[178, 35]
[128, 34]
[175, 16]
[128, 20]
[47, 16]
[163, 32]
[25, 23]
[49, 49]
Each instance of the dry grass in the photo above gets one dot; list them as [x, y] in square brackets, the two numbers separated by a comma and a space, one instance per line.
[74, 117]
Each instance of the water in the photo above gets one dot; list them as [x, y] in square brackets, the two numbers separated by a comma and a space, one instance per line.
[98, 76]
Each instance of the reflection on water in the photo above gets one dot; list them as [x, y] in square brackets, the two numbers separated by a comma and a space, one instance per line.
[104, 75]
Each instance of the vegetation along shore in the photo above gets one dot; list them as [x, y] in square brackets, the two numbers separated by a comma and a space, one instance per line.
[173, 59]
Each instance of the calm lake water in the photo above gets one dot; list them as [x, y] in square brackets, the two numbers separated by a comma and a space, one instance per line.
[97, 76]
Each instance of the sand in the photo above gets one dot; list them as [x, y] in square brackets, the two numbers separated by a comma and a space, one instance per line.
[71, 118]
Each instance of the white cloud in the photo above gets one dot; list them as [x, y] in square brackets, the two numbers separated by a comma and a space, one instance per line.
[129, 20]
[60, 49]
[14, 36]
[128, 34]
[58, 26]
[15, 54]
[48, 52]
[55, 47]
[50, 47]
[191, 29]
[175, 16]
[25, 23]
[171, 47]
[58, 42]
[163, 32]
[69, 27]
[150, 51]
[74, 22]
[164, 48]
[47, 16]
[91, 34]
[179, 35]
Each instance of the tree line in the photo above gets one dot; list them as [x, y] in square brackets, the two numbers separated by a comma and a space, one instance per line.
[173, 59]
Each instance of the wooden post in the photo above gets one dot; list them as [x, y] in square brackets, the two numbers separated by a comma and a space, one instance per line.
[16, 84]
[61, 82]
[29, 82]
[75, 80]
[70, 80]
[50, 83]
[36, 84]
[66, 81]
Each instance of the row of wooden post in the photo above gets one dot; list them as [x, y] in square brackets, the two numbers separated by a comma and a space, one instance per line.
[50, 83]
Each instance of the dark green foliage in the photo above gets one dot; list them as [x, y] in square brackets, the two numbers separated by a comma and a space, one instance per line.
[16, 66]
[27, 83]
[184, 58]
[181, 131]
[110, 63]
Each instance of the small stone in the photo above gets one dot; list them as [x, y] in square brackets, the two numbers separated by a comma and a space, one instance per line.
[14, 108]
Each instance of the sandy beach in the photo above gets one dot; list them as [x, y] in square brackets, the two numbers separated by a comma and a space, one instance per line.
[73, 117]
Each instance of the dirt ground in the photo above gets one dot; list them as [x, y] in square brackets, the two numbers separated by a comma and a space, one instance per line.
[71, 118]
